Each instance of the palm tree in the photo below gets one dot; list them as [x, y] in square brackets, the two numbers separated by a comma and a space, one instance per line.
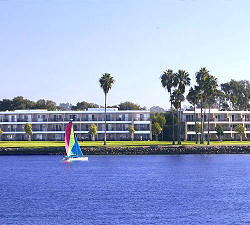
[210, 90]
[182, 79]
[106, 82]
[177, 97]
[200, 80]
[168, 81]
[193, 98]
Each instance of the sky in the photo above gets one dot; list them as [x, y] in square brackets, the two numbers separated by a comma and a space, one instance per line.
[59, 49]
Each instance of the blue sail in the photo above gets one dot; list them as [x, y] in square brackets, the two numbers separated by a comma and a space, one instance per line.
[78, 149]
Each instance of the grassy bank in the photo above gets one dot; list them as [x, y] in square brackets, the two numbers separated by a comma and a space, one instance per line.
[38, 144]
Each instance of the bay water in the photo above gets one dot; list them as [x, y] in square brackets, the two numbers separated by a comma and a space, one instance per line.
[153, 189]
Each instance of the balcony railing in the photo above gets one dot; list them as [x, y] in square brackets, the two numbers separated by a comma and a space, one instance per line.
[68, 119]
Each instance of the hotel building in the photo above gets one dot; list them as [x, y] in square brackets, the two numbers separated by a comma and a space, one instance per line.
[50, 125]
[227, 119]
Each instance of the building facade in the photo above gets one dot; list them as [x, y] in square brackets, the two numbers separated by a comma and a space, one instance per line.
[50, 125]
[227, 119]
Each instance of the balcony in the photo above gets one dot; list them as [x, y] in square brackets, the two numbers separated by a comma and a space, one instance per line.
[238, 120]
[55, 129]
[220, 120]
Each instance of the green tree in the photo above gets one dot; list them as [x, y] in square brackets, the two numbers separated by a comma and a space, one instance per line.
[130, 106]
[156, 129]
[168, 81]
[28, 130]
[131, 132]
[113, 106]
[220, 101]
[219, 131]
[93, 131]
[240, 129]
[50, 105]
[168, 127]
[46, 104]
[237, 94]
[6, 104]
[193, 98]
[157, 117]
[84, 106]
[41, 104]
[183, 80]
[106, 82]
[1, 133]
[20, 103]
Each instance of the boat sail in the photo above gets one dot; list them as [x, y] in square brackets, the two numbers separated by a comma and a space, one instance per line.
[73, 150]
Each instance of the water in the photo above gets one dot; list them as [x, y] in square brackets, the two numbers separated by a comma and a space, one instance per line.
[186, 189]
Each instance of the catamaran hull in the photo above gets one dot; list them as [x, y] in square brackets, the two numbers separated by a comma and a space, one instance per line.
[70, 159]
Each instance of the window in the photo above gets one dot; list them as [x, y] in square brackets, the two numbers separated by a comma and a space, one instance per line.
[108, 117]
[189, 117]
[72, 117]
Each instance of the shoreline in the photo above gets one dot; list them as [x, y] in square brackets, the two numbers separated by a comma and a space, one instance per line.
[138, 150]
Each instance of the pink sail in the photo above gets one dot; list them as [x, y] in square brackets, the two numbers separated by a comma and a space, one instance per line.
[67, 137]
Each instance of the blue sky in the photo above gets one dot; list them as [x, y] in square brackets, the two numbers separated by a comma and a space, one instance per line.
[58, 49]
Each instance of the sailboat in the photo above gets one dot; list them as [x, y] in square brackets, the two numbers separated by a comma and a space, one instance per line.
[73, 150]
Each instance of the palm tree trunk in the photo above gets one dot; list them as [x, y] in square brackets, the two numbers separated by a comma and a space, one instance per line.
[204, 119]
[201, 135]
[173, 138]
[180, 121]
[208, 129]
[196, 135]
[162, 133]
[203, 131]
[105, 130]
[179, 140]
